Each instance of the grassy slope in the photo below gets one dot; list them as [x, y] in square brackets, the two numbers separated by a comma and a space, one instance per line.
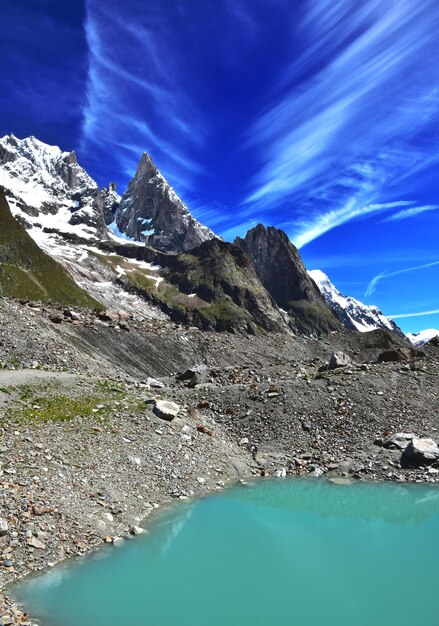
[28, 272]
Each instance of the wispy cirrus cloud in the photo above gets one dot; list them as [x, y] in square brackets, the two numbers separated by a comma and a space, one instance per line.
[133, 92]
[350, 109]
[419, 314]
[371, 287]
[406, 213]
[307, 230]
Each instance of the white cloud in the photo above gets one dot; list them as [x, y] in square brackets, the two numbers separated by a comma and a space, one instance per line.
[371, 288]
[421, 313]
[309, 230]
[402, 215]
[338, 133]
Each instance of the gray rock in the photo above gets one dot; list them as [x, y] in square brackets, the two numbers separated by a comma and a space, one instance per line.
[156, 384]
[420, 452]
[398, 441]
[36, 543]
[166, 410]
[338, 359]
[317, 471]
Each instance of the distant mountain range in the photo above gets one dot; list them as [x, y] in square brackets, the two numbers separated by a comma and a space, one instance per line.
[423, 337]
[145, 253]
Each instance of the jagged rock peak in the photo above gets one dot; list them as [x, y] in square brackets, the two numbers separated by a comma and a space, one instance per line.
[279, 265]
[151, 211]
[282, 272]
[110, 202]
[146, 167]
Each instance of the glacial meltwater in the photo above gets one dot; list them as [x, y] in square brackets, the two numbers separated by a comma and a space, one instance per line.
[285, 552]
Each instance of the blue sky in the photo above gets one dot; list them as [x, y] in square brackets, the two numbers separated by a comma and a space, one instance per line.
[321, 118]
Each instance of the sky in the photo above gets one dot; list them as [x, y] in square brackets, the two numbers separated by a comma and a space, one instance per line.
[320, 118]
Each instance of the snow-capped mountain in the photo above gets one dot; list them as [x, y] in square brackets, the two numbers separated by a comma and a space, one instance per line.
[352, 313]
[49, 192]
[423, 336]
[70, 218]
[150, 211]
[47, 189]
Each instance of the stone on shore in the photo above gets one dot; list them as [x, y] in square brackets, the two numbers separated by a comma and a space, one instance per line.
[4, 527]
[420, 452]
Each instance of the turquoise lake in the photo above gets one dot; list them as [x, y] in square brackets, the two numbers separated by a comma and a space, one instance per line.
[305, 552]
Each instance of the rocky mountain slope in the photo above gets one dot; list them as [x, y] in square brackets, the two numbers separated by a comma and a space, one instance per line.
[27, 272]
[50, 193]
[150, 211]
[352, 313]
[282, 272]
[213, 286]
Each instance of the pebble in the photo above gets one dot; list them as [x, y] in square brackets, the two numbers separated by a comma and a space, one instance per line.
[4, 527]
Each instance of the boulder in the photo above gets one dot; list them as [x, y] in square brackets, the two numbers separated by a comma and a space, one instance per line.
[420, 452]
[338, 359]
[166, 410]
[154, 383]
[398, 441]
[394, 356]
[56, 318]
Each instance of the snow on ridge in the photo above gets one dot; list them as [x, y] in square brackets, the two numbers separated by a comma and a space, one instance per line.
[362, 316]
[423, 336]
[120, 237]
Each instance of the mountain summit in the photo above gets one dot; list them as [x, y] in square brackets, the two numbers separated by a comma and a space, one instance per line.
[281, 270]
[150, 211]
[47, 188]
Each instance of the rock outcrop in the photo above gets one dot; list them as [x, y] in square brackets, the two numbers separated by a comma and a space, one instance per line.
[151, 211]
[110, 202]
[282, 272]
[213, 287]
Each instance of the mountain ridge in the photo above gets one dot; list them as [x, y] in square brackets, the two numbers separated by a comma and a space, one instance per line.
[97, 235]
[28, 272]
[352, 313]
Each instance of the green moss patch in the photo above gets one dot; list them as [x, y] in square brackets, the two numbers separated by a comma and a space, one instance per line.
[50, 402]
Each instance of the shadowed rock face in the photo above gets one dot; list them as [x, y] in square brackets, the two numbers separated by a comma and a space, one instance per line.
[279, 266]
[150, 211]
[214, 286]
[110, 202]
[282, 272]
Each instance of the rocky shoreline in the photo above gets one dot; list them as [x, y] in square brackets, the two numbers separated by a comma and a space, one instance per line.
[87, 454]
